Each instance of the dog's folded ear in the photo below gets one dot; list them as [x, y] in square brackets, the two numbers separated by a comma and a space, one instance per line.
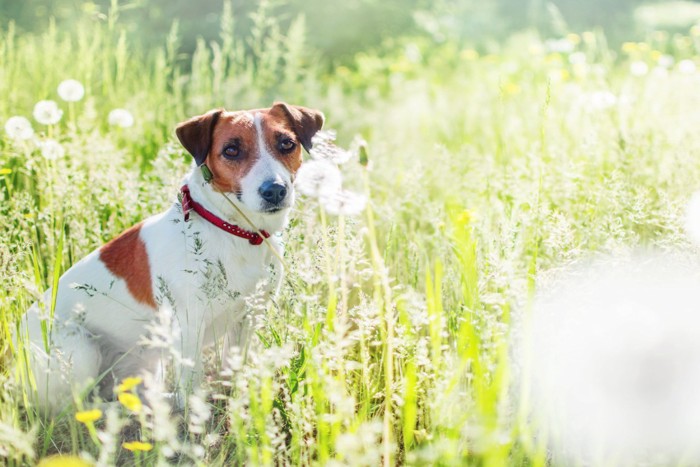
[195, 134]
[305, 122]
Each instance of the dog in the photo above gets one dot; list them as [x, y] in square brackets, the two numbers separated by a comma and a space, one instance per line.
[192, 266]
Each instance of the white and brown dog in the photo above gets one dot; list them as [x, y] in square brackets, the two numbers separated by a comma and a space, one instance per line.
[196, 263]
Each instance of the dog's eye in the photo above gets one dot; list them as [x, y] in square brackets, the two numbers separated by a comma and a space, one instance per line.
[286, 145]
[232, 151]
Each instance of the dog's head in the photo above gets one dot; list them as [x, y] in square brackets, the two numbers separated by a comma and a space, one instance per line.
[253, 154]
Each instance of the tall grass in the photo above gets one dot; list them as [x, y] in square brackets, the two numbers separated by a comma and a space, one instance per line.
[390, 341]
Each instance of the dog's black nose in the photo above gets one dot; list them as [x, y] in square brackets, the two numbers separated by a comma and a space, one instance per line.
[273, 192]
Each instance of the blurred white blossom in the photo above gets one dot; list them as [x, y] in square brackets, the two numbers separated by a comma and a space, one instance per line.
[559, 45]
[121, 118]
[47, 112]
[318, 176]
[19, 128]
[343, 202]
[639, 68]
[687, 67]
[666, 61]
[577, 58]
[71, 90]
[599, 100]
[51, 149]
[614, 350]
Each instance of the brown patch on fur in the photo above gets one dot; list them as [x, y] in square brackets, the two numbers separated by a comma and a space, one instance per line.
[275, 126]
[125, 256]
[239, 127]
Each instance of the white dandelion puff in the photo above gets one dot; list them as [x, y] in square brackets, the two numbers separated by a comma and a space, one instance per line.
[51, 149]
[324, 147]
[614, 351]
[687, 67]
[639, 68]
[47, 112]
[692, 218]
[599, 100]
[318, 176]
[121, 118]
[71, 90]
[19, 128]
[343, 202]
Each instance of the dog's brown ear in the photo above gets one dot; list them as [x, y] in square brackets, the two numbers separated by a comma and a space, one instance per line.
[195, 134]
[305, 122]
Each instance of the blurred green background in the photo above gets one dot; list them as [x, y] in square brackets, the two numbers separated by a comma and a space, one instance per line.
[340, 29]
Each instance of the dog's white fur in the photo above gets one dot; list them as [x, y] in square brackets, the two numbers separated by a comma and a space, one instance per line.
[201, 278]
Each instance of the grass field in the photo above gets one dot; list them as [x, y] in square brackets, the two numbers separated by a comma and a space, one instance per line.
[391, 340]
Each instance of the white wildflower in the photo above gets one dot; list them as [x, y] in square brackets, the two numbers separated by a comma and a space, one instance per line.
[639, 68]
[51, 149]
[599, 100]
[666, 61]
[19, 128]
[614, 352]
[47, 112]
[324, 147]
[318, 176]
[199, 412]
[577, 58]
[343, 202]
[687, 67]
[121, 118]
[563, 46]
[71, 90]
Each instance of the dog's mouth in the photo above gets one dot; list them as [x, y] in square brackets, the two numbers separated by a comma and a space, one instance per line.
[273, 209]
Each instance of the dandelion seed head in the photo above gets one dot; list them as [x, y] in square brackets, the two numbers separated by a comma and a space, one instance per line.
[71, 90]
[318, 176]
[615, 351]
[121, 118]
[47, 112]
[19, 128]
[324, 147]
[51, 149]
[343, 202]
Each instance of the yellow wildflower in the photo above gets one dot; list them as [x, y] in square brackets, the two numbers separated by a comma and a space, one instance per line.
[129, 383]
[63, 461]
[630, 47]
[130, 401]
[5, 171]
[88, 416]
[573, 38]
[469, 54]
[588, 37]
[137, 446]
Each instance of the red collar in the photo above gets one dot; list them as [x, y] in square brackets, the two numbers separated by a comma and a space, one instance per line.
[188, 204]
